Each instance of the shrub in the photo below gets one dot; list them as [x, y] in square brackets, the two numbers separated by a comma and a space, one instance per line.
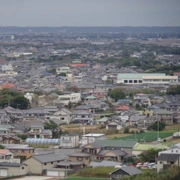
[126, 130]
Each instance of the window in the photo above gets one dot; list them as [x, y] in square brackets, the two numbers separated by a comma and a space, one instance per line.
[44, 163]
[130, 81]
[51, 162]
[79, 158]
[140, 81]
[22, 167]
[135, 81]
[160, 162]
[125, 81]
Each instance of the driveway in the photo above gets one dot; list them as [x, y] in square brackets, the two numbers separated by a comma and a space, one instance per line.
[34, 178]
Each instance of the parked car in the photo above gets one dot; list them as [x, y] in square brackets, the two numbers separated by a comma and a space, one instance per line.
[139, 165]
[151, 165]
[145, 165]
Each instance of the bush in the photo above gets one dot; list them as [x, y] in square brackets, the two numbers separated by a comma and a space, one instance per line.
[141, 131]
[101, 172]
[161, 125]
[126, 130]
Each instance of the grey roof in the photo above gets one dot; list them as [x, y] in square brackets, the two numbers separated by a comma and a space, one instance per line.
[80, 154]
[4, 164]
[130, 170]
[168, 157]
[117, 152]
[114, 143]
[68, 163]
[48, 157]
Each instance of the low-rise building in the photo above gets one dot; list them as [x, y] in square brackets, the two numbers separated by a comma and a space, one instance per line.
[69, 140]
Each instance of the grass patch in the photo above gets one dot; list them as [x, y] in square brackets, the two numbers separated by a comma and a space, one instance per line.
[99, 172]
[148, 136]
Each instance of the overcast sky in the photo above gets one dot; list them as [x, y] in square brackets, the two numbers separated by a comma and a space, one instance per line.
[89, 12]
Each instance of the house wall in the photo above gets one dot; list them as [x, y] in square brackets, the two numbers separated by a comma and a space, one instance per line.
[34, 167]
[160, 164]
[85, 160]
[17, 171]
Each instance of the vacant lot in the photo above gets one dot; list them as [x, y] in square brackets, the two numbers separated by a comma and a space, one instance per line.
[148, 136]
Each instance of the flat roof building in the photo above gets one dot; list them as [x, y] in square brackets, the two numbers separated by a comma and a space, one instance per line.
[145, 78]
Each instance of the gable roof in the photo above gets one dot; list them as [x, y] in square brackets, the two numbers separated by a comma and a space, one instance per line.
[130, 170]
[114, 143]
[168, 157]
[48, 157]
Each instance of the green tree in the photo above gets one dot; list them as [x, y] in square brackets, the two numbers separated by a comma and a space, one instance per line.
[117, 94]
[157, 126]
[149, 155]
[20, 102]
[53, 127]
[13, 98]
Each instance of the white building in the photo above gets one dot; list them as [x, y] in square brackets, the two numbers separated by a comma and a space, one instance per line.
[65, 70]
[69, 98]
[70, 141]
[6, 68]
[145, 78]
[91, 138]
[29, 96]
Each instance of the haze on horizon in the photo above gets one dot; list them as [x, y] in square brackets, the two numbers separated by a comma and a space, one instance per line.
[89, 12]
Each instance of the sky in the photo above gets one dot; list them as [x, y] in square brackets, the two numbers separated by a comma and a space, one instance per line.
[89, 12]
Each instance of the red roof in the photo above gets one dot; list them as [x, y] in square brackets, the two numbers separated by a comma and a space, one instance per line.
[8, 86]
[122, 108]
[77, 65]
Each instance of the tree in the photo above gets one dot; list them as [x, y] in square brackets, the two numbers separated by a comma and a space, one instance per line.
[20, 102]
[157, 126]
[117, 94]
[149, 155]
[13, 98]
[53, 127]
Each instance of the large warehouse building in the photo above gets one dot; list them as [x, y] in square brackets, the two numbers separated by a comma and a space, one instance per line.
[145, 78]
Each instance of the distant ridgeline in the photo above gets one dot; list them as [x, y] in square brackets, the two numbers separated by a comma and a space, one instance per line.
[126, 30]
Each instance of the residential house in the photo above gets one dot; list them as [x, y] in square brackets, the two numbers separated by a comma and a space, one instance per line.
[99, 93]
[83, 117]
[10, 139]
[168, 158]
[12, 169]
[81, 157]
[164, 116]
[122, 108]
[20, 151]
[113, 126]
[38, 164]
[60, 117]
[69, 140]
[7, 156]
[38, 131]
[65, 99]
[125, 171]
[111, 145]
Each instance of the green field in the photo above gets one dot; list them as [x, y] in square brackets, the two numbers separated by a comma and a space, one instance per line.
[147, 136]
[84, 178]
